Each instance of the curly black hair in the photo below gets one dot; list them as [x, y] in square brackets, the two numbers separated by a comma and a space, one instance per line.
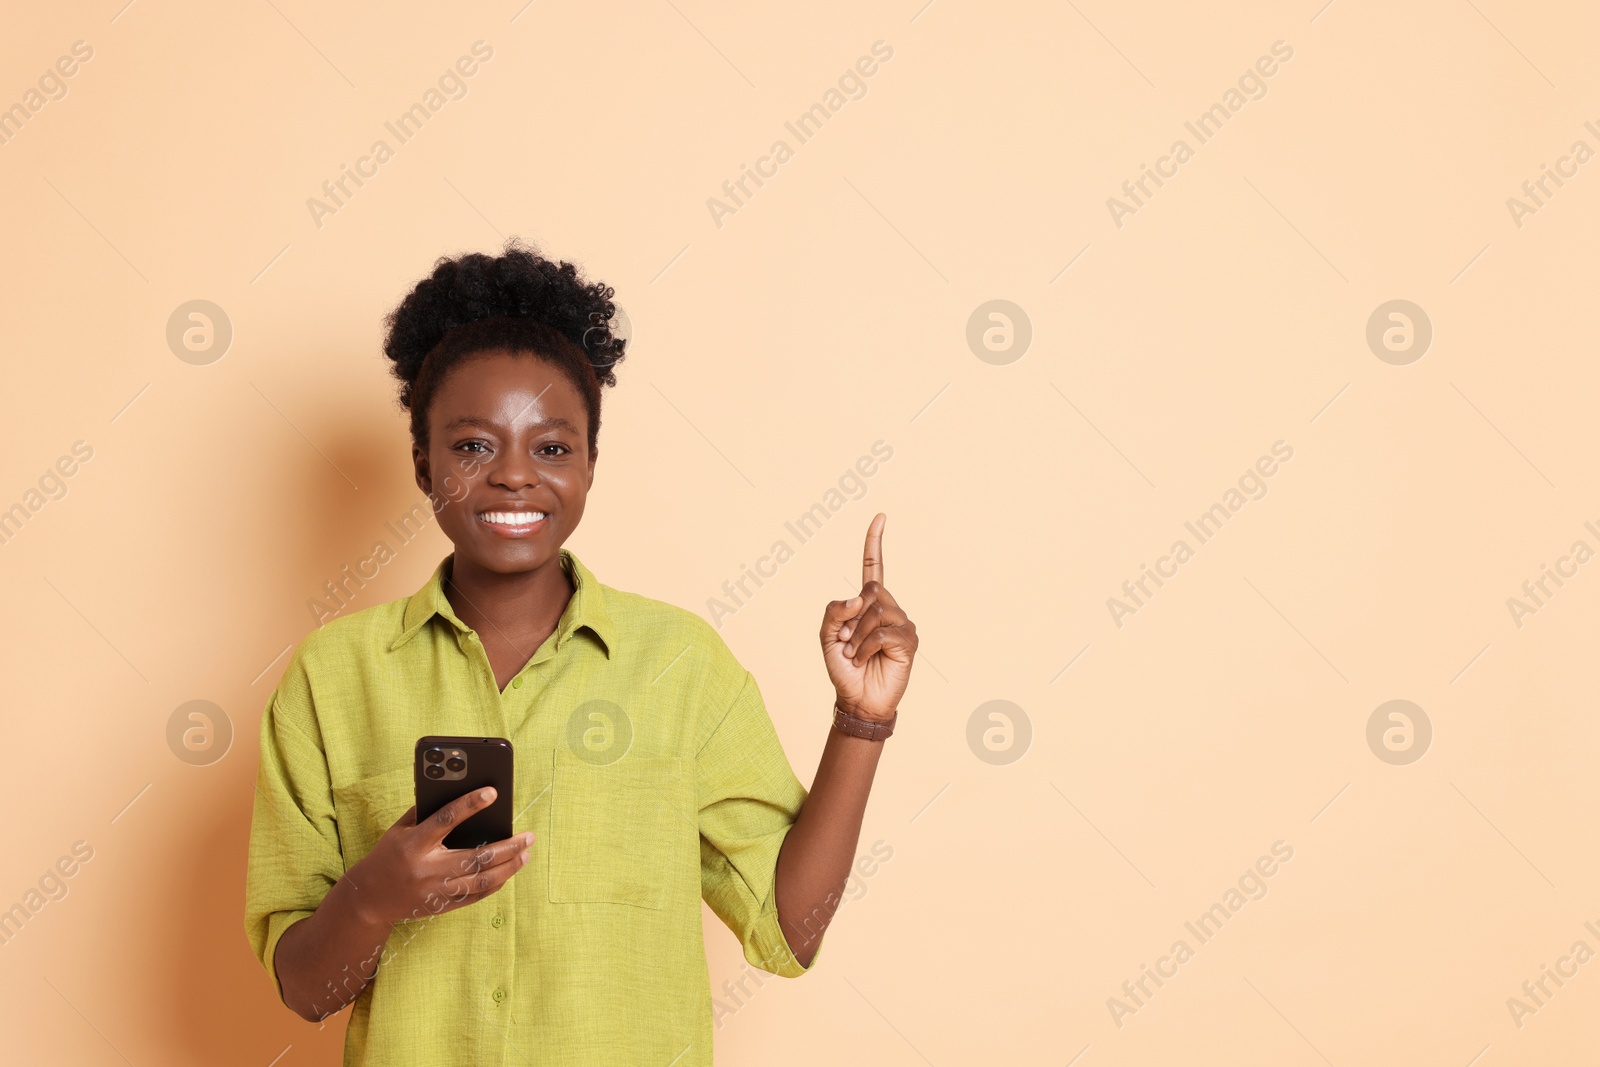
[518, 301]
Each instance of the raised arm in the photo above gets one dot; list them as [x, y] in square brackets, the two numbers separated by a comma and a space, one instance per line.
[868, 644]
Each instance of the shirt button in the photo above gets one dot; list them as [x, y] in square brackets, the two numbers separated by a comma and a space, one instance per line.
[498, 995]
[516, 683]
[498, 921]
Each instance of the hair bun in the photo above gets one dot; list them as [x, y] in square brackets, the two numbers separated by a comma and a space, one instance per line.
[518, 283]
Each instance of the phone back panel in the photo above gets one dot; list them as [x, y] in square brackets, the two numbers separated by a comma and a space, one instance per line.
[489, 762]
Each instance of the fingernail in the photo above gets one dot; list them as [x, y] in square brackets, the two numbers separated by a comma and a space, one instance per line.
[527, 854]
[486, 794]
[844, 632]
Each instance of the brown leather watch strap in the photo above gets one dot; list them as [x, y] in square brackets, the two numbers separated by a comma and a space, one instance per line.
[846, 723]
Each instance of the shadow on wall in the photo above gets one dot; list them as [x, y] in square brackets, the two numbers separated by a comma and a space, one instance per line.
[217, 1003]
[220, 1005]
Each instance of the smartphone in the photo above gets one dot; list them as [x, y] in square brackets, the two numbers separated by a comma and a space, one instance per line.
[451, 767]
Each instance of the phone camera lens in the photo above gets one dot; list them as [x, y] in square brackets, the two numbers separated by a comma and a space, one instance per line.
[456, 763]
[433, 770]
[433, 755]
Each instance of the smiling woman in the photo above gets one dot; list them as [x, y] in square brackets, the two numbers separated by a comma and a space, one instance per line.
[644, 754]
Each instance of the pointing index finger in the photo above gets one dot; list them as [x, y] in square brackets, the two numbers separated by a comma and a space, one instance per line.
[872, 553]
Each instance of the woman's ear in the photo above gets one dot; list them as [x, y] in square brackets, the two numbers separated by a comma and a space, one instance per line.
[419, 460]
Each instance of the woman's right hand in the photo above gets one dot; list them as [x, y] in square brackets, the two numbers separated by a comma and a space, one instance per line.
[410, 874]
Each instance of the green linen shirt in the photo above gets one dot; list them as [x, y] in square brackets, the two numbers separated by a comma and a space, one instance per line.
[648, 768]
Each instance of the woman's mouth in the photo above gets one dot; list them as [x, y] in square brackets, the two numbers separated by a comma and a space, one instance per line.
[514, 523]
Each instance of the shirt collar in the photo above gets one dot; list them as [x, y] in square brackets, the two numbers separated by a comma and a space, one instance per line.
[586, 609]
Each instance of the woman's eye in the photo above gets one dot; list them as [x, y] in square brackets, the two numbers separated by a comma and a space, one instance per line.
[562, 448]
[471, 445]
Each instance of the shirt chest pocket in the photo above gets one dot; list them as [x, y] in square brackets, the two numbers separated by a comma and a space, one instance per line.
[620, 833]
[367, 807]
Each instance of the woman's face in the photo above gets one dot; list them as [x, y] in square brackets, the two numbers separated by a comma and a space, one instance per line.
[507, 459]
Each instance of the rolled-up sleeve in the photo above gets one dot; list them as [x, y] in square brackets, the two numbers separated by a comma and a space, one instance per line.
[749, 799]
[294, 841]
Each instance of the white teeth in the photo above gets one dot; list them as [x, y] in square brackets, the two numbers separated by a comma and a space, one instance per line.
[513, 518]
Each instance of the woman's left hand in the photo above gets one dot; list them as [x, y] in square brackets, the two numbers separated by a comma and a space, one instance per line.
[868, 642]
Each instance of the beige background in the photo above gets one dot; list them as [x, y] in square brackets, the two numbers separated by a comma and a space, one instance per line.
[830, 312]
